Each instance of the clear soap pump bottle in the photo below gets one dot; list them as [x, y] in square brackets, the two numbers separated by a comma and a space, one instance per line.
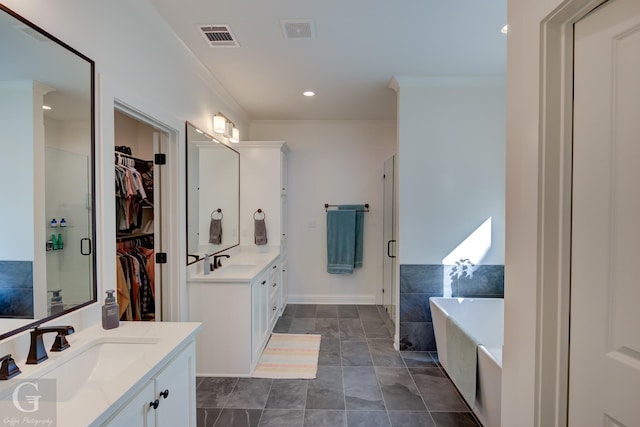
[110, 311]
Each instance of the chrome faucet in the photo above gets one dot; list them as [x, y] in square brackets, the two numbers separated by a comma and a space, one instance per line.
[217, 262]
[37, 353]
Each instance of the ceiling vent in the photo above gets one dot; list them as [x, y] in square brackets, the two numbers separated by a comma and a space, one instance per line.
[32, 33]
[218, 35]
[297, 29]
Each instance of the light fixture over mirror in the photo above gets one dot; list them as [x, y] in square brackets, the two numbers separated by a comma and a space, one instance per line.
[235, 135]
[219, 123]
[47, 260]
[225, 127]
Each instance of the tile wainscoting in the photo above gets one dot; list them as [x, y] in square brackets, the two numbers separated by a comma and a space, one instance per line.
[418, 282]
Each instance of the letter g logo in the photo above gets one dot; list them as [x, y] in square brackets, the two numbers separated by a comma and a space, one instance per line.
[30, 399]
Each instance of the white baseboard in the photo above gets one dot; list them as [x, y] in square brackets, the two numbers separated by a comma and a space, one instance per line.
[331, 299]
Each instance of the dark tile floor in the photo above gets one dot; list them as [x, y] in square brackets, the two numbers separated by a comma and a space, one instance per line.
[361, 380]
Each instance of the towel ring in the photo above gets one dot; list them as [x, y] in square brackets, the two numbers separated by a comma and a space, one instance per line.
[217, 211]
[258, 212]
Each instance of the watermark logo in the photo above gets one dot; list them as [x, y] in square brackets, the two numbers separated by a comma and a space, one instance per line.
[29, 403]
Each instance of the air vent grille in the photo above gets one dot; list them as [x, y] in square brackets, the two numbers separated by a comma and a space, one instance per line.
[218, 35]
[297, 29]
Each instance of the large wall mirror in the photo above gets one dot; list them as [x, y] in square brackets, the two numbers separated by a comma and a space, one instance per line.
[47, 222]
[213, 195]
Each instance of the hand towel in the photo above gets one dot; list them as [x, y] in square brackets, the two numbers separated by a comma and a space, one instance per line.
[260, 232]
[215, 231]
[359, 230]
[341, 241]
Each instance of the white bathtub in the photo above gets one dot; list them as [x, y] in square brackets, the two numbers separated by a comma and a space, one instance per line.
[482, 318]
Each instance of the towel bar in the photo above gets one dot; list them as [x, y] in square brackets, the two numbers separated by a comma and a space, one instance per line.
[327, 206]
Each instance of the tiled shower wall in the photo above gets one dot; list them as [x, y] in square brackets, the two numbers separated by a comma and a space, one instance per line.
[16, 289]
[419, 282]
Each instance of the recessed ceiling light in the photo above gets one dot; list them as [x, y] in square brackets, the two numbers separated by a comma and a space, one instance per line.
[309, 93]
[505, 29]
[46, 107]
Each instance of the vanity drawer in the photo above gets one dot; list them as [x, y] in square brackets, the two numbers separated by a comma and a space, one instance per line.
[274, 281]
[273, 309]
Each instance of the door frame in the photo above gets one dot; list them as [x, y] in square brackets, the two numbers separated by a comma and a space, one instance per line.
[169, 212]
[554, 212]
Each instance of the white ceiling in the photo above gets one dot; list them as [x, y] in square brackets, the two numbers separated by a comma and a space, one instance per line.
[359, 45]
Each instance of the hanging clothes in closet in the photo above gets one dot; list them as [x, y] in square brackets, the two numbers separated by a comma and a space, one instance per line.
[135, 266]
[134, 189]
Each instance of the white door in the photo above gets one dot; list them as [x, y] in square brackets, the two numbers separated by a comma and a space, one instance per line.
[604, 369]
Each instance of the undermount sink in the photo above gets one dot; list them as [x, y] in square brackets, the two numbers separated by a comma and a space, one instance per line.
[93, 371]
[237, 268]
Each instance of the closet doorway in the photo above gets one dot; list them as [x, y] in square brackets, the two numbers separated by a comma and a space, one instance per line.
[140, 157]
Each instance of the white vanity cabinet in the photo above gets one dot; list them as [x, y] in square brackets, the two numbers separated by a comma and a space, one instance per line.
[264, 185]
[237, 315]
[265, 297]
[259, 324]
[167, 400]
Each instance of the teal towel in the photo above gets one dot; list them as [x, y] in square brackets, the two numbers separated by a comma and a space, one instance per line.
[360, 209]
[341, 241]
[462, 360]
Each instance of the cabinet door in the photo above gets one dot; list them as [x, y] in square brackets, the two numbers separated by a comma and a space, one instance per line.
[175, 391]
[274, 298]
[283, 173]
[258, 290]
[138, 411]
[284, 283]
[284, 203]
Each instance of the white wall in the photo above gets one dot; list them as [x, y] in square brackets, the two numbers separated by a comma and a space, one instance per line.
[332, 162]
[134, 134]
[451, 133]
[16, 170]
[142, 64]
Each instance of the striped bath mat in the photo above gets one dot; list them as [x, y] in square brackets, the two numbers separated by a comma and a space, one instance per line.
[289, 356]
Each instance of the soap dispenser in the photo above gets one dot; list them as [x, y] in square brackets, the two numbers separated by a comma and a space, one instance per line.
[56, 302]
[207, 265]
[110, 311]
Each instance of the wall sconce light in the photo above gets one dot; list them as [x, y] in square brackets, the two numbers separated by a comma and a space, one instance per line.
[235, 135]
[219, 123]
[228, 129]
[224, 126]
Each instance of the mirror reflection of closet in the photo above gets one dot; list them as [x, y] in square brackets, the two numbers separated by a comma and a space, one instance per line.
[137, 203]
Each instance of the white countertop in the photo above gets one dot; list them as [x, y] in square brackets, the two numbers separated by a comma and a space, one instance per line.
[164, 341]
[242, 266]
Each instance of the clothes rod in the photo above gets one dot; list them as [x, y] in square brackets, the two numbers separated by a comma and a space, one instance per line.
[129, 156]
[327, 206]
